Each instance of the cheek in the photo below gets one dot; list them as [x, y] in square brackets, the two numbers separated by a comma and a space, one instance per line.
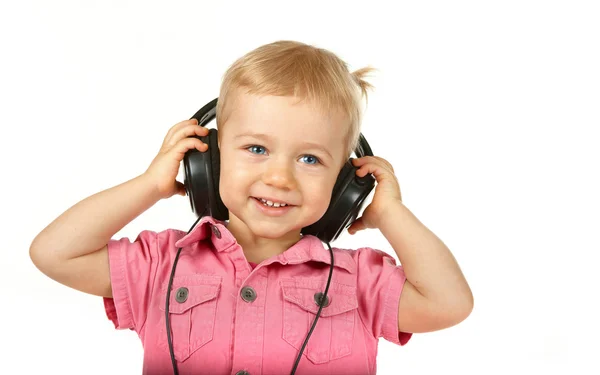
[232, 176]
[319, 192]
[230, 166]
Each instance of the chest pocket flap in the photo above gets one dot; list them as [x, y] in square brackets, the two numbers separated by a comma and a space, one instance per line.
[191, 290]
[302, 292]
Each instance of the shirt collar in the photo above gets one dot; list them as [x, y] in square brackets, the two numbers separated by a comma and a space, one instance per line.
[209, 227]
[309, 248]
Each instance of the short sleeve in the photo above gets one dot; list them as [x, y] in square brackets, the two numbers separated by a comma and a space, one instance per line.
[380, 283]
[132, 269]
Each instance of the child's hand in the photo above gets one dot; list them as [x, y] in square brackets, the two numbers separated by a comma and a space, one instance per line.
[387, 191]
[164, 168]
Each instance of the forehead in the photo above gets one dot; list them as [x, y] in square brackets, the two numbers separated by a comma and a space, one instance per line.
[286, 118]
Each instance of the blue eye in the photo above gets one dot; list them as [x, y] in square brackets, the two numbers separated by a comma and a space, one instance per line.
[311, 159]
[256, 149]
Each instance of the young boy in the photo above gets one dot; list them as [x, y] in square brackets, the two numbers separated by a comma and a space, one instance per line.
[245, 290]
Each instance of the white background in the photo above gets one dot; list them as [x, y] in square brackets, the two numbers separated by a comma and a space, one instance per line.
[488, 111]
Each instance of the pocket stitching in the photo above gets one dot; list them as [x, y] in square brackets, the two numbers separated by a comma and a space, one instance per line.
[343, 314]
[195, 297]
[183, 312]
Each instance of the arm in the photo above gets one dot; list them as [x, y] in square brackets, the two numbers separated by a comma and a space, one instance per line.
[436, 294]
[72, 250]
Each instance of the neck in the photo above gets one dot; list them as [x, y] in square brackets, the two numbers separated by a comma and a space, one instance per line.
[257, 248]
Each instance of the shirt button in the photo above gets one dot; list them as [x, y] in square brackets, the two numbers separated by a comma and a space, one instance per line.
[216, 231]
[243, 372]
[319, 298]
[182, 294]
[248, 294]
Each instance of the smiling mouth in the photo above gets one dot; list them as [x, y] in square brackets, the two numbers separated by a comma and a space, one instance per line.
[272, 204]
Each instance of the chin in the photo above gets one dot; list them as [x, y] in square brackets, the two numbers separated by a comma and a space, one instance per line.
[272, 230]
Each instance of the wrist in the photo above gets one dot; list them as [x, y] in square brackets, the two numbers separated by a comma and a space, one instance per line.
[150, 188]
[391, 209]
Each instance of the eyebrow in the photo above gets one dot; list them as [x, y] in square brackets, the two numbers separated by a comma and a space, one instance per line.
[268, 138]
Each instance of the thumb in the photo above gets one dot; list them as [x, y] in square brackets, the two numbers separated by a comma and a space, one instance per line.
[358, 225]
[180, 188]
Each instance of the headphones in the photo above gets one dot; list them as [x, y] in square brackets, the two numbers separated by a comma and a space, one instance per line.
[201, 182]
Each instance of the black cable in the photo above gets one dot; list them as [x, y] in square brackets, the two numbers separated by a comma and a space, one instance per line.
[175, 371]
[321, 303]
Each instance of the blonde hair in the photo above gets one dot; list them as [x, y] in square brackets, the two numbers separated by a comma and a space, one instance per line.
[289, 68]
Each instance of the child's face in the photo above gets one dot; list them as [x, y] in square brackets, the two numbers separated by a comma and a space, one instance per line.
[273, 147]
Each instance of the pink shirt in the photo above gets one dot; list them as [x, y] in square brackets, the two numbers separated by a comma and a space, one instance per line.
[233, 317]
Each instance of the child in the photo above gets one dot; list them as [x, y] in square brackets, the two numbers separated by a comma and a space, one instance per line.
[246, 291]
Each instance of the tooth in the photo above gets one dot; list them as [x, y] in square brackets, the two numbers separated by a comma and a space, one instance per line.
[269, 203]
[276, 204]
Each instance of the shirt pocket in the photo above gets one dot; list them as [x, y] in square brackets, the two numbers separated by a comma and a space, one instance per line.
[333, 335]
[192, 313]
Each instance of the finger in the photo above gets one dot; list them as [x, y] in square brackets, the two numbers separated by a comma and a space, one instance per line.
[370, 160]
[179, 125]
[187, 131]
[358, 225]
[183, 146]
[373, 159]
[387, 163]
[180, 188]
[381, 173]
[176, 127]
[372, 163]
[360, 161]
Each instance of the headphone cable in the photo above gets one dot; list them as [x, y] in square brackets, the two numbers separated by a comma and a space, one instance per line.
[322, 303]
[173, 361]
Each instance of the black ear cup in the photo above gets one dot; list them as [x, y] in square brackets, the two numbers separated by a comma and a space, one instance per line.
[201, 179]
[202, 173]
[220, 212]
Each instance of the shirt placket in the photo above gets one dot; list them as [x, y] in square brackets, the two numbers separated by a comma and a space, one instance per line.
[249, 318]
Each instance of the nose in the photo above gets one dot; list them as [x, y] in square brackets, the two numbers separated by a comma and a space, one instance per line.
[279, 174]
